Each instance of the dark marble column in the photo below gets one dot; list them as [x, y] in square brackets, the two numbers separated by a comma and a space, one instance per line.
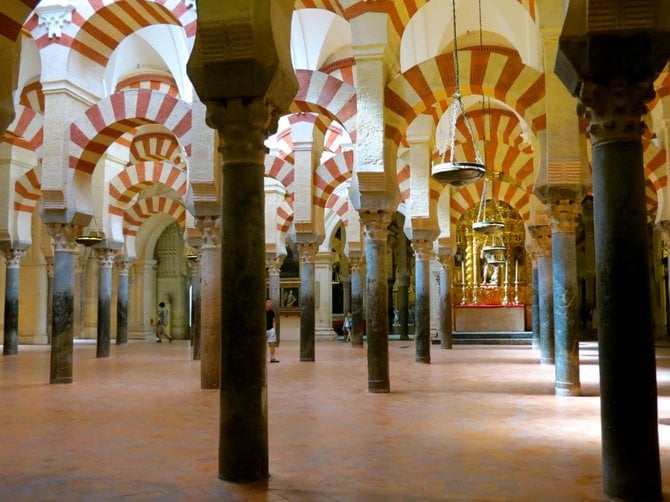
[210, 299]
[11, 338]
[105, 263]
[274, 286]
[403, 305]
[375, 228]
[542, 234]
[628, 395]
[63, 236]
[346, 295]
[423, 252]
[357, 312]
[536, 304]
[194, 271]
[566, 304]
[446, 324]
[243, 418]
[307, 288]
[123, 264]
[50, 294]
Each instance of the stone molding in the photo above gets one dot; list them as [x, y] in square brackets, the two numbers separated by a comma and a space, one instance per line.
[63, 236]
[614, 111]
[376, 224]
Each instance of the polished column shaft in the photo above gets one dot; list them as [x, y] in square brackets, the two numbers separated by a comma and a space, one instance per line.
[357, 312]
[210, 302]
[11, 336]
[123, 264]
[423, 252]
[446, 325]
[307, 288]
[105, 264]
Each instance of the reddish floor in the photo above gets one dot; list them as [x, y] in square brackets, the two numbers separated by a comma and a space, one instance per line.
[480, 423]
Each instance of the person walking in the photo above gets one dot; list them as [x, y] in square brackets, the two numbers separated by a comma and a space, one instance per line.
[161, 323]
[346, 328]
[270, 327]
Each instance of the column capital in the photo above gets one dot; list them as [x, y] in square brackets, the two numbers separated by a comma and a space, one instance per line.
[50, 266]
[564, 217]
[445, 260]
[355, 264]
[105, 257]
[243, 128]
[274, 265]
[64, 236]
[193, 267]
[13, 257]
[210, 226]
[423, 249]
[542, 236]
[307, 251]
[123, 263]
[615, 110]
[376, 224]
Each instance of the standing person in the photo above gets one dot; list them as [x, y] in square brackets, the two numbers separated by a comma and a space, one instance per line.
[346, 328]
[270, 327]
[161, 323]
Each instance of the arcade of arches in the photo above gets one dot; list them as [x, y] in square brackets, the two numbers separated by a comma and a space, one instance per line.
[145, 161]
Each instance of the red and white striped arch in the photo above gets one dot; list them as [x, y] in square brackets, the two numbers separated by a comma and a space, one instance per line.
[468, 196]
[27, 192]
[285, 215]
[109, 119]
[158, 147]
[320, 93]
[146, 208]
[656, 174]
[153, 81]
[12, 16]
[32, 96]
[502, 76]
[99, 26]
[338, 205]
[329, 175]
[281, 169]
[342, 69]
[26, 131]
[132, 180]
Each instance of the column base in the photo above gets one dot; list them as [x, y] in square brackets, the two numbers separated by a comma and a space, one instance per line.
[547, 361]
[424, 360]
[61, 380]
[378, 387]
[568, 389]
[307, 359]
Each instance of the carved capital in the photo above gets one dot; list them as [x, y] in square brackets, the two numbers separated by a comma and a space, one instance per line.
[355, 264]
[63, 236]
[243, 129]
[376, 224]
[423, 249]
[193, 267]
[50, 266]
[614, 111]
[54, 17]
[210, 226]
[274, 265]
[564, 217]
[307, 252]
[13, 257]
[105, 257]
[445, 261]
[123, 263]
[542, 236]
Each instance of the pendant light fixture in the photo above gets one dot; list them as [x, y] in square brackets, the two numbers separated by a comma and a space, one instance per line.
[92, 237]
[458, 173]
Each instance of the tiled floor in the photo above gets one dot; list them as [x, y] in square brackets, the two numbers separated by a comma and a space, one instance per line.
[480, 423]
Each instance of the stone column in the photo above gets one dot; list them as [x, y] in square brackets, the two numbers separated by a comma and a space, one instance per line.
[542, 234]
[323, 296]
[50, 294]
[589, 260]
[403, 304]
[346, 294]
[123, 264]
[11, 338]
[210, 297]
[62, 345]
[193, 268]
[243, 419]
[105, 264]
[307, 314]
[535, 278]
[357, 313]
[445, 322]
[375, 229]
[628, 395]
[423, 252]
[566, 304]
[274, 286]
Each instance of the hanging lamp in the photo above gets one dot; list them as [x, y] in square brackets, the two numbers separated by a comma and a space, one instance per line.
[458, 173]
[92, 237]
